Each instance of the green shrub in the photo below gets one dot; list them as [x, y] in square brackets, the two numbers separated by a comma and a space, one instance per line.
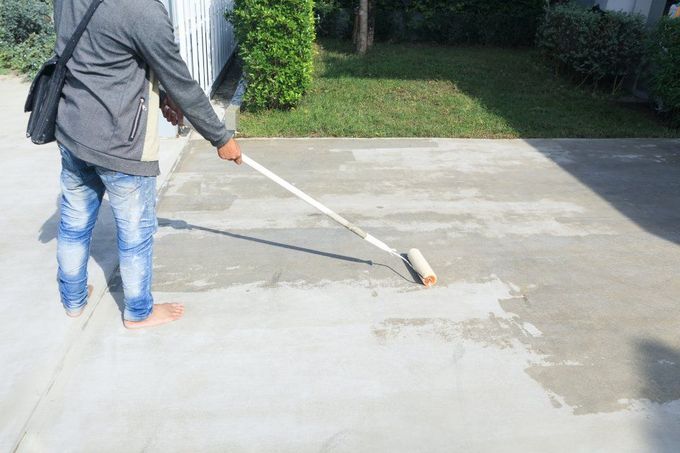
[324, 8]
[595, 46]
[20, 19]
[498, 22]
[28, 56]
[333, 19]
[26, 34]
[664, 55]
[276, 45]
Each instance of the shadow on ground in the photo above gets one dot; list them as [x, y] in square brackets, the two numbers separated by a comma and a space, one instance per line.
[640, 179]
[182, 225]
[659, 363]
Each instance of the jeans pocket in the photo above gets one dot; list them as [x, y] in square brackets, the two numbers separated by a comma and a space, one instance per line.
[120, 184]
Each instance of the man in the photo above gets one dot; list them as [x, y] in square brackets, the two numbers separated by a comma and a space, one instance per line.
[108, 138]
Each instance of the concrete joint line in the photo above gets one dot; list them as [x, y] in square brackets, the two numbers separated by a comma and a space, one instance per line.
[76, 333]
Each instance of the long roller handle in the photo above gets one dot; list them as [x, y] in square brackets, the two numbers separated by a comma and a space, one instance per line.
[330, 213]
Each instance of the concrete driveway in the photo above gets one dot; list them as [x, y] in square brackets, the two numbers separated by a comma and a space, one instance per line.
[556, 325]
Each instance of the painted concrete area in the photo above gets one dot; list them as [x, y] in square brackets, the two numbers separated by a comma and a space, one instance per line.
[555, 326]
[35, 335]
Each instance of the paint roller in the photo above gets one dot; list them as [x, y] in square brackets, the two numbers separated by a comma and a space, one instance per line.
[414, 258]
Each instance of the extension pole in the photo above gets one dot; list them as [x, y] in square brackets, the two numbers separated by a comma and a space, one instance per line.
[329, 212]
[416, 260]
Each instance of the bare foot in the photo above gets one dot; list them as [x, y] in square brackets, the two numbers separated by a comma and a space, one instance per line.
[161, 314]
[76, 314]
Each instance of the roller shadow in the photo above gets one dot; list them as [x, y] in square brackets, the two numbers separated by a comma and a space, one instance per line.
[182, 225]
[414, 275]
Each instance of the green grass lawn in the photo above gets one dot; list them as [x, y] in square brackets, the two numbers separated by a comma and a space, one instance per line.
[435, 91]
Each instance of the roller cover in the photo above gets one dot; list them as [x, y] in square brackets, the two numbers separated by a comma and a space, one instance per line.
[421, 266]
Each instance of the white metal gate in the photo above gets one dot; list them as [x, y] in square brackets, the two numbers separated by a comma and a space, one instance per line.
[206, 39]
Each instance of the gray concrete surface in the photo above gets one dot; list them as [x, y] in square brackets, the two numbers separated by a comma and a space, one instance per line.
[35, 335]
[555, 326]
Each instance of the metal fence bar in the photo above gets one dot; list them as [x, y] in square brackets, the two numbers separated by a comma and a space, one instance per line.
[206, 39]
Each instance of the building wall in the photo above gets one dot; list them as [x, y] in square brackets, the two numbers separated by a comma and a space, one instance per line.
[651, 9]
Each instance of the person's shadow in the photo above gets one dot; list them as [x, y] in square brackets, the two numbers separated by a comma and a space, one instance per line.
[179, 224]
[103, 249]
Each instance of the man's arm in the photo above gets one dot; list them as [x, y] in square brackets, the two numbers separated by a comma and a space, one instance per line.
[154, 40]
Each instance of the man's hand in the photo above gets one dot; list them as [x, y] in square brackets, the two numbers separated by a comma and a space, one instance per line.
[171, 112]
[230, 151]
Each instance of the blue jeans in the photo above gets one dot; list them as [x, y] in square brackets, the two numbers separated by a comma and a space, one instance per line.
[133, 201]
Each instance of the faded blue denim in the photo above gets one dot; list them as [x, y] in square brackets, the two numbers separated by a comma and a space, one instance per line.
[133, 201]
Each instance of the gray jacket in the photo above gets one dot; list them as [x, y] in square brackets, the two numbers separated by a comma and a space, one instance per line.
[109, 111]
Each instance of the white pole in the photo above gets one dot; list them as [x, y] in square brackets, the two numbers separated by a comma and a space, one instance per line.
[330, 213]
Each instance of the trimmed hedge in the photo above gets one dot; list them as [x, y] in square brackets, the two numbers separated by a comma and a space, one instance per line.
[276, 44]
[664, 55]
[26, 34]
[593, 45]
[497, 22]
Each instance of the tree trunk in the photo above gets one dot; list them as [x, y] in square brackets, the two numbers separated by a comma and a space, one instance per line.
[371, 23]
[355, 30]
[362, 27]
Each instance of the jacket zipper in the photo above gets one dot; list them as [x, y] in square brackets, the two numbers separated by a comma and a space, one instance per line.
[138, 118]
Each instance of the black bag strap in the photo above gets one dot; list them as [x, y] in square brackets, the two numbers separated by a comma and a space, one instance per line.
[71, 45]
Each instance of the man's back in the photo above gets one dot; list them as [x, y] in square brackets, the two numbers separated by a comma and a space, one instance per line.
[106, 129]
[109, 111]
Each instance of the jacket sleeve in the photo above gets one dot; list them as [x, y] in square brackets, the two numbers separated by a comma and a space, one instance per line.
[153, 39]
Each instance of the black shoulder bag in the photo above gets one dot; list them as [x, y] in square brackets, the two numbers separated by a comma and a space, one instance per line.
[45, 93]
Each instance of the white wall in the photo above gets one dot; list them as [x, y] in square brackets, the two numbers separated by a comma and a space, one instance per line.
[652, 9]
[627, 6]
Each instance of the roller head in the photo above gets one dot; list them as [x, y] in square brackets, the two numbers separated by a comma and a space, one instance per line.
[421, 266]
